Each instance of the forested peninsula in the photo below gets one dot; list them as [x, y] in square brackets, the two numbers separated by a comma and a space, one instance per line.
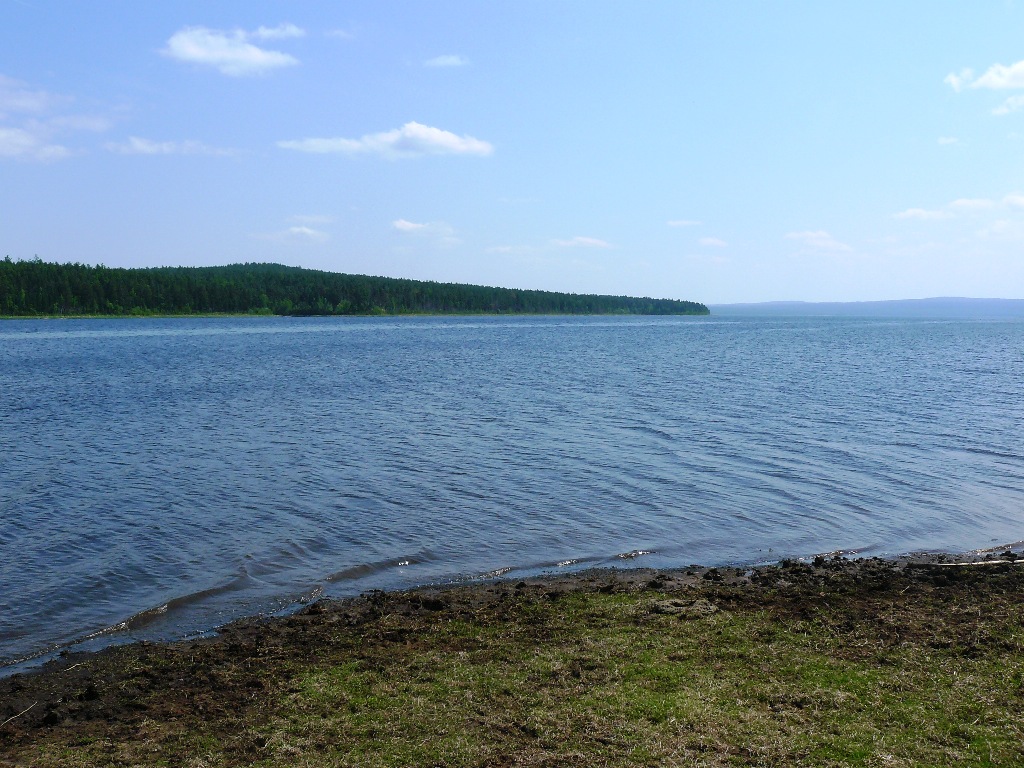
[39, 288]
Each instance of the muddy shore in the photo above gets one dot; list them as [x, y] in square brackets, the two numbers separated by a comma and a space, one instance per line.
[109, 702]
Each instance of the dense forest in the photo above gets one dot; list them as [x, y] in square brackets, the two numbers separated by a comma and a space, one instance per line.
[29, 288]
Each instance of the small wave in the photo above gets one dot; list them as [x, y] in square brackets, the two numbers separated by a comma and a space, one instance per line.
[311, 596]
[647, 429]
[1015, 545]
[991, 452]
[355, 572]
[496, 573]
[146, 617]
[634, 554]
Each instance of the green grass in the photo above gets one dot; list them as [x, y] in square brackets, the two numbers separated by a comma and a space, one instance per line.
[598, 680]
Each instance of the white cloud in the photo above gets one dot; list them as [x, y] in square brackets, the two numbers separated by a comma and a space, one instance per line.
[1014, 201]
[446, 61]
[407, 226]
[1012, 104]
[439, 232]
[228, 52]
[945, 141]
[29, 145]
[683, 223]
[582, 242]
[957, 80]
[140, 146]
[341, 34]
[411, 140]
[1001, 77]
[998, 77]
[280, 32]
[713, 242]
[922, 214]
[972, 204]
[819, 240]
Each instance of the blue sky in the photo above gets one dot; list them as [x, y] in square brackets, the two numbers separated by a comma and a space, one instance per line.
[714, 151]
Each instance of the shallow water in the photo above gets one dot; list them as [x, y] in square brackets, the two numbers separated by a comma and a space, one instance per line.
[160, 477]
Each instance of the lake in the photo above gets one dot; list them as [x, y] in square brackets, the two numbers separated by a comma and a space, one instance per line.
[159, 477]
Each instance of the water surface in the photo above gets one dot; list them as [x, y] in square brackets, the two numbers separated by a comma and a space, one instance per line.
[160, 477]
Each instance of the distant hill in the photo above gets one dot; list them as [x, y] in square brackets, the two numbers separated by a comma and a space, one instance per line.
[36, 288]
[937, 308]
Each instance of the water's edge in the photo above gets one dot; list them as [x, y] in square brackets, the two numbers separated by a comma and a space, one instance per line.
[131, 630]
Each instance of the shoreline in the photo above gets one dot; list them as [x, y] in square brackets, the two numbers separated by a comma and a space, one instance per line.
[239, 679]
[117, 635]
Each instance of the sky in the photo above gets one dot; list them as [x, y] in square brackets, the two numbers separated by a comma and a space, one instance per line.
[712, 151]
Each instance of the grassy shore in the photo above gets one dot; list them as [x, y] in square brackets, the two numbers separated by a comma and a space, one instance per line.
[839, 662]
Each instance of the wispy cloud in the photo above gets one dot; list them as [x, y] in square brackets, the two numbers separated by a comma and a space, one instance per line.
[296, 235]
[139, 146]
[1001, 228]
[29, 145]
[970, 207]
[972, 204]
[16, 97]
[683, 223]
[945, 141]
[231, 53]
[31, 121]
[998, 77]
[1012, 104]
[280, 32]
[449, 60]
[311, 218]
[341, 34]
[712, 242]
[1001, 77]
[582, 242]
[79, 123]
[411, 140]
[307, 233]
[819, 240]
[439, 232]
[957, 80]
[922, 214]
[403, 225]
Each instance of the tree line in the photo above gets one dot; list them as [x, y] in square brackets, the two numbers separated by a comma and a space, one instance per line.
[36, 287]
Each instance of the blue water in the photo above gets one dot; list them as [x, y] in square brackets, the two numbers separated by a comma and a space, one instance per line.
[161, 477]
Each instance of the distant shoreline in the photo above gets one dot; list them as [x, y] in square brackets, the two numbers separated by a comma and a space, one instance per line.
[38, 288]
[949, 308]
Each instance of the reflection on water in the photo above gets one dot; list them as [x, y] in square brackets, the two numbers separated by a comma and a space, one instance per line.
[160, 477]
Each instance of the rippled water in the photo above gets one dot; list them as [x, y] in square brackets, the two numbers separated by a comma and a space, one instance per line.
[159, 477]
